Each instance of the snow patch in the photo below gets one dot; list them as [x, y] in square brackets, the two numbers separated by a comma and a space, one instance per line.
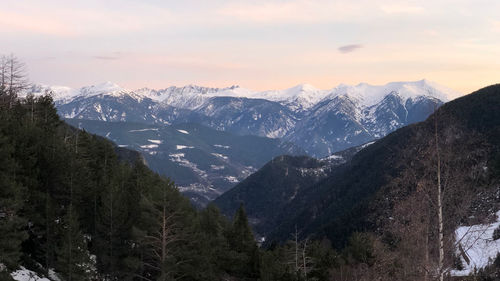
[367, 144]
[183, 131]
[220, 156]
[217, 168]
[149, 146]
[333, 157]
[176, 155]
[143, 130]
[179, 158]
[156, 141]
[231, 179]
[479, 246]
[222, 146]
[179, 147]
[24, 274]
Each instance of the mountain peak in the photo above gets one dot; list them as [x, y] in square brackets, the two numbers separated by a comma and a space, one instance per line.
[305, 87]
[107, 86]
[369, 95]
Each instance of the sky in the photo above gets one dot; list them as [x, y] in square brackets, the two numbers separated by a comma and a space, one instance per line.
[256, 44]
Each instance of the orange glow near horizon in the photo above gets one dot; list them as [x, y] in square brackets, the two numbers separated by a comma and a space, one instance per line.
[259, 45]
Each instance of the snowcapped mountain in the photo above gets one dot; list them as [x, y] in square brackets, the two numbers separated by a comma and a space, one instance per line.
[352, 115]
[320, 121]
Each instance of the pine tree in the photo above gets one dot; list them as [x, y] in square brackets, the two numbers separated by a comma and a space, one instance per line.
[244, 253]
[11, 224]
[115, 243]
[73, 259]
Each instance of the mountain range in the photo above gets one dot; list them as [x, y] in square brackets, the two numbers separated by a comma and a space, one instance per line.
[319, 121]
[301, 120]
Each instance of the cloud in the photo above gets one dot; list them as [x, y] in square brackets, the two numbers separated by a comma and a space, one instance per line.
[349, 48]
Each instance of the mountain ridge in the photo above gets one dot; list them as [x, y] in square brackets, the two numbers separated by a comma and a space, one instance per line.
[320, 121]
[300, 90]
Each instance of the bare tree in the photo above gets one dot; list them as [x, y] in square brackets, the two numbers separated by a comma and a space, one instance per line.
[13, 79]
[300, 260]
[160, 241]
[439, 203]
[433, 193]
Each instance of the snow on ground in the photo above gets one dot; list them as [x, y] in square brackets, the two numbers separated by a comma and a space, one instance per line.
[143, 130]
[156, 141]
[215, 167]
[333, 157]
[232, 179]
[477, 241]
[123, 145]
[222, 146]
[179, 147]
[179, 158]
[149, 146]
[183, 131]
[367, 144]
[220, 155]
[24, 274]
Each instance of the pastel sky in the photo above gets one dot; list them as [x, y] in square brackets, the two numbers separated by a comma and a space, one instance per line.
[255, 44]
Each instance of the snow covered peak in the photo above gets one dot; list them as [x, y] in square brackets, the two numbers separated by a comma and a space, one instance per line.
[368, 95]
[298, 98]
[103, 88]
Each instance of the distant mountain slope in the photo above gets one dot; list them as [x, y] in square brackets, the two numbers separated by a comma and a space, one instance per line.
[203, 162]
[344, 120]
[266, 192]
[362, 194]
[320, 121]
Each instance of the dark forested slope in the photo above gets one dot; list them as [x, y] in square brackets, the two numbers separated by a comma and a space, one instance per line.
[266, 192]
[362, 194]
[74, 204]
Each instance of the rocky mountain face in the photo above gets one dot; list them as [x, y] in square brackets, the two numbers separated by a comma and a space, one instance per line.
[320, 121]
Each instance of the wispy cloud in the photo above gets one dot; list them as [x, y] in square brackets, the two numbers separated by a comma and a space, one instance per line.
[349, 48]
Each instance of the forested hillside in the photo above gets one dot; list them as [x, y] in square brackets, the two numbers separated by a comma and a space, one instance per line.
[70, 207]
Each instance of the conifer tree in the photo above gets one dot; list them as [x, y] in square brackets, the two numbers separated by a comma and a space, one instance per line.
[245, 253]
[11, 224]
[73, 260]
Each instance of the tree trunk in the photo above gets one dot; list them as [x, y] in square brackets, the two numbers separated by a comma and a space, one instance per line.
[440, 205]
